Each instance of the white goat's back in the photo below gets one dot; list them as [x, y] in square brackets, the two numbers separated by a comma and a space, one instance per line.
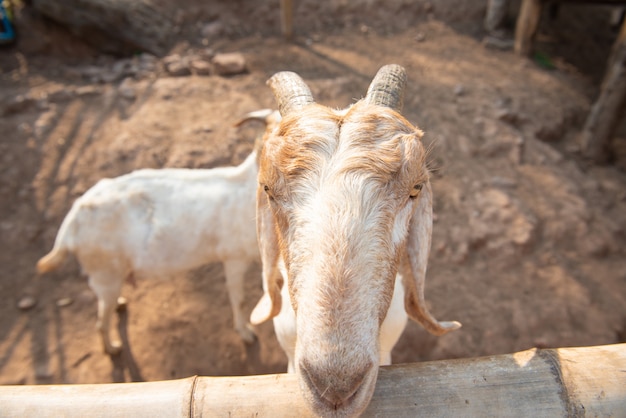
[169, 219]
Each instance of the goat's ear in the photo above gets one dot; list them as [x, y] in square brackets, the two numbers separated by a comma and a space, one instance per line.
[414, 262]
[270, 303]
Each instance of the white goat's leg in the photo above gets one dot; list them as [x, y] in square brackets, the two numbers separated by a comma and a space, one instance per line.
[235, 271]
[107, 289]
[285, 328]
[394, 323]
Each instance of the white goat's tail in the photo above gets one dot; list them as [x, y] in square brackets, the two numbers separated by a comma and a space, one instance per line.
[66, 235]
[52, 260]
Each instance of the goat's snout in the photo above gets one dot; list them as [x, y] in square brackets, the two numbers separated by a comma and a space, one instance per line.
[335, 390]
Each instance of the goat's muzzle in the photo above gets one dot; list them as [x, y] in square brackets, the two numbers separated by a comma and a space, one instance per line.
[339, 392]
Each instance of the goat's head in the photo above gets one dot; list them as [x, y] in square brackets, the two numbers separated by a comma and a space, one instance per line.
[344, 199]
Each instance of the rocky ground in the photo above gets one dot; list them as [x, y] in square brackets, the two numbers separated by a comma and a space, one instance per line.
[528, 246]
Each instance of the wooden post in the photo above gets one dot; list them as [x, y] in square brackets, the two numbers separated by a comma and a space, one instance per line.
[526, 26]
[286, 18]
[606, 111]
[117, 26]
[588, 381]
[496, 14]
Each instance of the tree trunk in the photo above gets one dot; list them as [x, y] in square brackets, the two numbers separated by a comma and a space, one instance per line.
[606, 111]
[116, 26]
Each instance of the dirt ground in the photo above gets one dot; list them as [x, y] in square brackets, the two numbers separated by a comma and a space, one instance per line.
[529, 239]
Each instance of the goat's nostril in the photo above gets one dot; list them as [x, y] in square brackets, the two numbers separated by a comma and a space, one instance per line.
[333, 387]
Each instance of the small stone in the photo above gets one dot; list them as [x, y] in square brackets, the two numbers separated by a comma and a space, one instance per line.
[206, 54]
[203, 129]
[459, 90]
[127, 90]
[170, 59]
[145, 57]
[92, 73]
[123, 68]
[508, 116]
[495, 42]
[553, 132]
[200, 67]
[420, 37]
[212, 29]
[176, 66]
[63, 302]
[178, 69]
[19, 104]
[86, 91]
[229, 63]
[25, 129]
[504, 182]
[59, 96]
[26, 303]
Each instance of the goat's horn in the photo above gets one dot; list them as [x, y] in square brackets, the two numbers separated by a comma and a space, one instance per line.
[387, 87]
[260, 115]
[290, 91]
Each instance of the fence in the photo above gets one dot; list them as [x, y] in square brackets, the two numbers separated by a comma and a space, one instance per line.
[587, 381]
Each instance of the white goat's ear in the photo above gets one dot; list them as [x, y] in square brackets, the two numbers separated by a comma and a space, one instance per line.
[270, 303]
[414, 265]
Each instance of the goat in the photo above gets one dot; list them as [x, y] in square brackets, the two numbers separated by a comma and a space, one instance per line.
[159, 222]
[344, 221]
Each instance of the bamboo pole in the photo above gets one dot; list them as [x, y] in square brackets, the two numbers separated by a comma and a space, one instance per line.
[587, 381]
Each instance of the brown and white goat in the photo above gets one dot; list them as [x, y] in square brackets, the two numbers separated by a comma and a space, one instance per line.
[344, 220]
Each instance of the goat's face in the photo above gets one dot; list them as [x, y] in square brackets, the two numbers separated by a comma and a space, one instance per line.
[338, 191]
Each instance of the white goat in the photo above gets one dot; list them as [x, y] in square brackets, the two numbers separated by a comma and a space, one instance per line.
[344, 217]
[162, 222]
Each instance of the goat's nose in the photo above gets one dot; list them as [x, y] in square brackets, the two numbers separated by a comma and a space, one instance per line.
[337, 386]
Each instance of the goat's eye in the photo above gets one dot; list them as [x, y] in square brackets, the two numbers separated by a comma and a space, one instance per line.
[415, 191]
[267, 190]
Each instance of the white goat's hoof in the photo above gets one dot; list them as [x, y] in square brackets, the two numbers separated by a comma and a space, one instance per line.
[114, 349]
[247, 334]
[122, 304]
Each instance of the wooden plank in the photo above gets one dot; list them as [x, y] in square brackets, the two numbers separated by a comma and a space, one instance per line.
[562, 382]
